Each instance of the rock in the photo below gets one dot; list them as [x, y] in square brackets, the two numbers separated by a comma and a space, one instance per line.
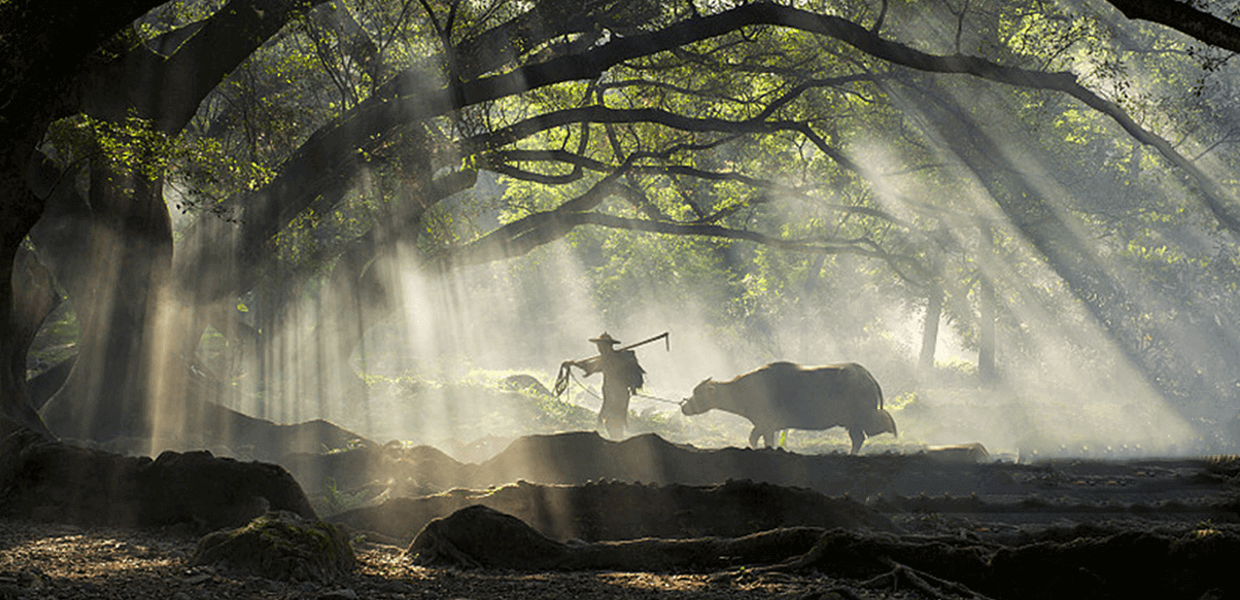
[52, 481]
[265, 440]
[478, 536]
[219, 492]
[281, 546]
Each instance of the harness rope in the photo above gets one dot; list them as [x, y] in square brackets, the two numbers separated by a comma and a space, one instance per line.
[573, 376]
[658, 399]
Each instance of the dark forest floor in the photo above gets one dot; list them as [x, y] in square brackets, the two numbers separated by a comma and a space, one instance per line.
[825, 526]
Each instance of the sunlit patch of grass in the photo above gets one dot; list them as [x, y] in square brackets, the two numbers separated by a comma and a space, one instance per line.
[901, 401]
[1205, 529]
[334, 500]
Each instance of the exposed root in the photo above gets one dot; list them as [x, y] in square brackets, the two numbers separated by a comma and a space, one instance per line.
[924, 582]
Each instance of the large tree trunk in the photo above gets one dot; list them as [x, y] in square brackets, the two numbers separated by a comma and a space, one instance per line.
[131, 325]
[19, 210]
[18, 326]
[111, 386]
[44, 43]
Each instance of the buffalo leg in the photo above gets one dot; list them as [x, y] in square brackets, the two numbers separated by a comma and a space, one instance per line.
[767, 435]
[858, 438]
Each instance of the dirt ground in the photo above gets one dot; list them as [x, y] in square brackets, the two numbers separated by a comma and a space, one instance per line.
[926, 525]
[909, 489]
[41, 560]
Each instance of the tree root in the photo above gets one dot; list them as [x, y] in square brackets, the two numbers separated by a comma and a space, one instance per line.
[923, 582]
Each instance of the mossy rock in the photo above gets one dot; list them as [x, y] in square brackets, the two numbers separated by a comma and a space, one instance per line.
[283, 546]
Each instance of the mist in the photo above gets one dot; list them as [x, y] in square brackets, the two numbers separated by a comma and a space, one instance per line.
[434, 369]
[1077, 266]
[322, 282]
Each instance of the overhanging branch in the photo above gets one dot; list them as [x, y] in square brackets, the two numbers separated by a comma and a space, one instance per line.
[1185, 18]
[415, 96]
[539, 229]
[497, 163]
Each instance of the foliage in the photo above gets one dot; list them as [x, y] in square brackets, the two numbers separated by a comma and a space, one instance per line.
[56, 341]
[336, 500]
[801, 193]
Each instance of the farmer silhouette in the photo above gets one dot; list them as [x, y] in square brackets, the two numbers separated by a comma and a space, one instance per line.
[622, 376]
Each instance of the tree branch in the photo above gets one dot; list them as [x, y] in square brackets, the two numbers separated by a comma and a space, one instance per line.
[496, 162]
[1185, 18]
[166, 80]
[526, 234]
[416, 96]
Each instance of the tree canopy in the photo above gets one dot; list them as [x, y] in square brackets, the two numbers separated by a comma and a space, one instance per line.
[272, 171]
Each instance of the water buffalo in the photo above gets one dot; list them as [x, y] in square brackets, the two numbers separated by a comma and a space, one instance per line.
[783, 395]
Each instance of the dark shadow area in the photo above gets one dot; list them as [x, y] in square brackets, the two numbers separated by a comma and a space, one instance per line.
[570, 502]
[1127, 564]
[613, 510]
[926, 483]
[55, 482]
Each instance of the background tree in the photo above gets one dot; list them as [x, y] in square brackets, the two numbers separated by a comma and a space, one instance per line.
[39, 73]
[780, 153]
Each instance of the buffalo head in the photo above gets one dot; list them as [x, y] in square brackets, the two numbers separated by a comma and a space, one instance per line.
[703, 398]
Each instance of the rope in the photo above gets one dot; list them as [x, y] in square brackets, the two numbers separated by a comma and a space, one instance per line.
[573, 376]
[658, 399]
[583, 386]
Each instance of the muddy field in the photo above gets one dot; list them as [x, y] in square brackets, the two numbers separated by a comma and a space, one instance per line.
[946, 484]
[948, 523]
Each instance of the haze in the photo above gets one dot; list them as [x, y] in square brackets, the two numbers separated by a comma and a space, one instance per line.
[337, 233]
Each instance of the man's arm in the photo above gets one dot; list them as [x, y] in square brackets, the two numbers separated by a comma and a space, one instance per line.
[590, 365]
